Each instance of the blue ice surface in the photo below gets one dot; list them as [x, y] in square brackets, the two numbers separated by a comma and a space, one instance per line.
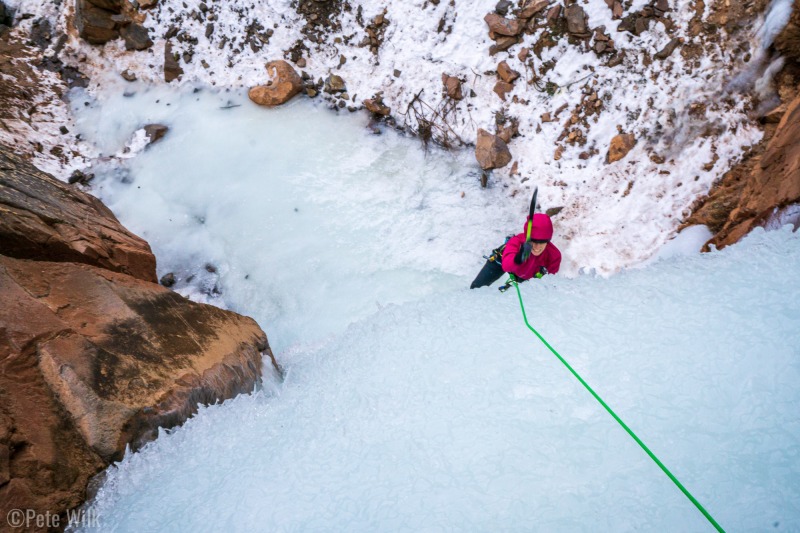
[447, 414]
[414, 404]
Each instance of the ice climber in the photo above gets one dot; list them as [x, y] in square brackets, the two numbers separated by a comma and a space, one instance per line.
[527, 255]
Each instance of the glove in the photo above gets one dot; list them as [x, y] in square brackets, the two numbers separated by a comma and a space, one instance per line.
[541, 273]
[526, 251]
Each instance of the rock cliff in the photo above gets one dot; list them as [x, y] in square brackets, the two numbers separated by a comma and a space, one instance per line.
[95, 356]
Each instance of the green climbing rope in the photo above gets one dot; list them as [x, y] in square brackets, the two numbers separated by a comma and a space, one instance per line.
[617, 418]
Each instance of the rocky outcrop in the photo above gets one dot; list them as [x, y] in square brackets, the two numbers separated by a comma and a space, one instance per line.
[284, 84]
[45, 219]
[774, 182]
[92, 359]
[29, 91]
[124, 356]
[491, 151]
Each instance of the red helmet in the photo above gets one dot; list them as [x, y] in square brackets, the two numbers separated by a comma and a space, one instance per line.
[542, 229]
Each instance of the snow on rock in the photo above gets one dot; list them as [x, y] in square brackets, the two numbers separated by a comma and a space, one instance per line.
[592, 69]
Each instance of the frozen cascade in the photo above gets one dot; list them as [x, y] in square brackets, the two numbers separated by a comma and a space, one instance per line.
[308, 220]
[436, 409]
[775, 20]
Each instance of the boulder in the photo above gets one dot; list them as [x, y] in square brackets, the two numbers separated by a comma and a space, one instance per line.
[634, 23]
[602, 41]
[620, 146]
[503, 26]
[452, 87]
[376, 106]
[668, 49]
[155, 132]
[283, 85]
[502, 7]
[506, 73]
[502, 88]
[531, 8]
[136, 37]
[168, 280]
[554, 14]
[45, 219]
[92, 361]
[491, 151]
[501, 44]
[506, 132]
[335, 84]
[115, 6]
[616, 8]
[172, 69]
[576, 21]
[95, 25]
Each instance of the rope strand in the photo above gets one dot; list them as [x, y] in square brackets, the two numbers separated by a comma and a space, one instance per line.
[617, 418]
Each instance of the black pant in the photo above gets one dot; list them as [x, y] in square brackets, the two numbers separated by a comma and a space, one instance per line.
[491, 272]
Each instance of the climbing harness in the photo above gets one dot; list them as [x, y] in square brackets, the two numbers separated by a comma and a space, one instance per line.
[513, 281]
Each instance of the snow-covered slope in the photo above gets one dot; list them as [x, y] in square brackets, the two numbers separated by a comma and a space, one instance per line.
[688, 126]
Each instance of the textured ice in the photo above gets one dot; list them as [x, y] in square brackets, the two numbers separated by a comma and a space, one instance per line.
[445, 413]
[777, 16]
[307, 219]
[411, 403]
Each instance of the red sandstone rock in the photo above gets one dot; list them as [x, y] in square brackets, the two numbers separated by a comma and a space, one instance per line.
[91, 361]
[452, 87]
[502, 88]
[375, 105]
[506, 73]
[503, 26]
[775, 180]
[531, 8]
[95, 24]
[43, 218]
[284, 84]
[620, 146]
[491, 151]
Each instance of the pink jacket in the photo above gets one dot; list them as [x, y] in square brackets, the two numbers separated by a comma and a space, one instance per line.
[550, 259]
